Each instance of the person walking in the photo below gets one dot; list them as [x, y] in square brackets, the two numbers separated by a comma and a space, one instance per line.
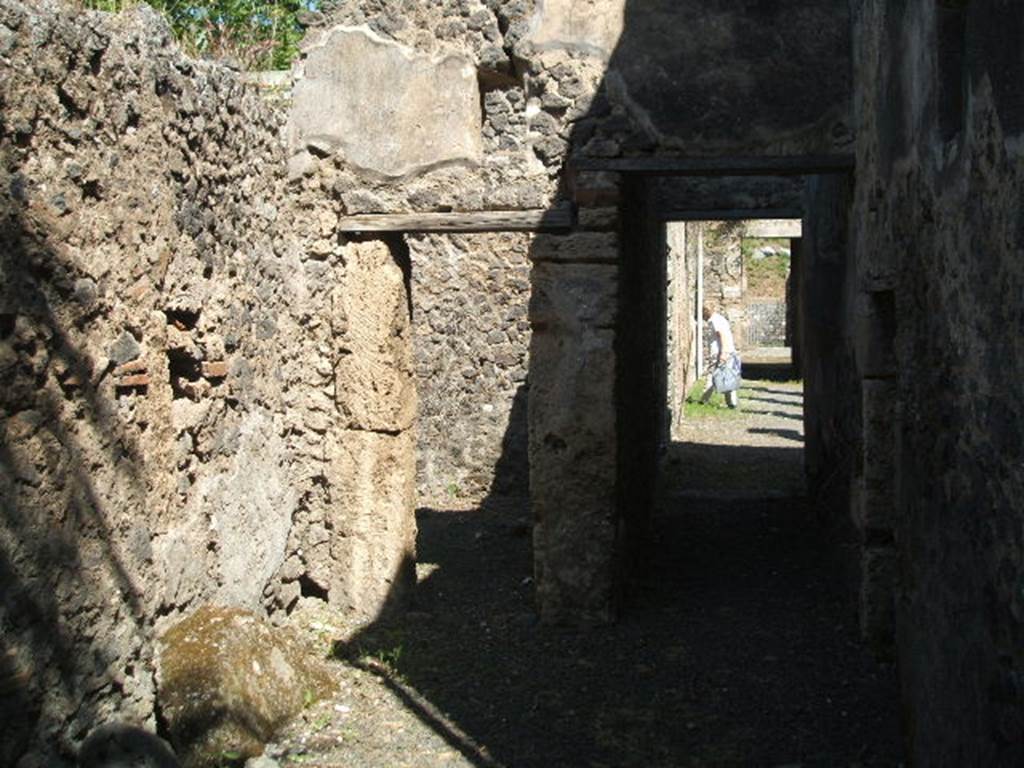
[723, 354]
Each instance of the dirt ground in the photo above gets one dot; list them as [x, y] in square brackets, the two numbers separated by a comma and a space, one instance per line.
[755, 451]
[734, 648]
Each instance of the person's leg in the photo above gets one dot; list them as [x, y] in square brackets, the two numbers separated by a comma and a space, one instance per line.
[732, 399]
[709, 390]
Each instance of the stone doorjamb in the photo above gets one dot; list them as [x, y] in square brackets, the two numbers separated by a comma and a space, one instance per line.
[572, 409]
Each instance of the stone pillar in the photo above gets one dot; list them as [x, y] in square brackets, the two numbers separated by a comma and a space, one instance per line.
[874, 504]
[372, 460]
[794, 294]
[680, 326]
[573, 441]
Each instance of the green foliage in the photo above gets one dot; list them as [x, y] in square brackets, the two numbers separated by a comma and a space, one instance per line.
[766, 276]
[390, 657]
[382, 651]
[259, 34]
[694, 409]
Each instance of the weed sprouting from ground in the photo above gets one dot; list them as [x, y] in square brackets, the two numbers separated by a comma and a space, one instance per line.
[381, 652]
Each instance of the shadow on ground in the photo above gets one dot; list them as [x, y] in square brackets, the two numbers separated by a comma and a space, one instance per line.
[769, 371]
[734, 650]
[722, 470]
[736, 647]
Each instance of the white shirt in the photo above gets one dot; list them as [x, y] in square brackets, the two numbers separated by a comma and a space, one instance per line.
[722, 344]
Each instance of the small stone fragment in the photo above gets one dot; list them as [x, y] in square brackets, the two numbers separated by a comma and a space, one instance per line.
[125, 349]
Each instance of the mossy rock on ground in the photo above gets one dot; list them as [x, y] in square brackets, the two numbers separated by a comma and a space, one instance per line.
[123, 745]
[228, 681]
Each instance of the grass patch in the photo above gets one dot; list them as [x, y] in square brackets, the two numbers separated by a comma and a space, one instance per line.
[766, 276]
[380, 650]
[693, 408]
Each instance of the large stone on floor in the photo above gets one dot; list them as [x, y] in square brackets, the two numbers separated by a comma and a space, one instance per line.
[227, 681]
[386, 107]
[122, 745]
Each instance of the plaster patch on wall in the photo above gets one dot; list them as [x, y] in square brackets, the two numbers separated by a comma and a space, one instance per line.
[249, 509]
[385, 107]
[588, 26]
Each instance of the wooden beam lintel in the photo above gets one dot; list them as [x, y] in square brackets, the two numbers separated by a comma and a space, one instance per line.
[771, 165]
[730, 214]
[558, 218]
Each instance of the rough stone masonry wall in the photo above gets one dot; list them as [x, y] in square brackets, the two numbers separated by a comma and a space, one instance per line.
[681, 295]
[483, 104]
[476, 152]
[940, 241]
[188, 357]
[766, 323]
[723, 274]
[472, 334]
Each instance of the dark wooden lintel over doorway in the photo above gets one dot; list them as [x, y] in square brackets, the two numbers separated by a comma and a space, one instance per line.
[558, 218]
[775, 165]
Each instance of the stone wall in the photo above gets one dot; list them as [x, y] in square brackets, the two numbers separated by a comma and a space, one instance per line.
[208, 395]
[434, 108]
[205, 396]
[938, 237]
[723, 274]
[765, 323]
[832, 394]
[470, 296]
[681, 321]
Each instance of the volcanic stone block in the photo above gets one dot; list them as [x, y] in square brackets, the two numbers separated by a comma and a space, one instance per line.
[877, 598]
[374, 529]
[593, 26]
[579, 246]
[374, 385]
[573, 300]
[385, 107]
[878, 500]
[573, 439]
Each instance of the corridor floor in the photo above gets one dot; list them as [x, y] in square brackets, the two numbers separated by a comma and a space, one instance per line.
[734, 650]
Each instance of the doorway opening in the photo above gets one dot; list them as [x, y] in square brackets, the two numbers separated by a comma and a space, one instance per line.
[733, 553]
[743, 272]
